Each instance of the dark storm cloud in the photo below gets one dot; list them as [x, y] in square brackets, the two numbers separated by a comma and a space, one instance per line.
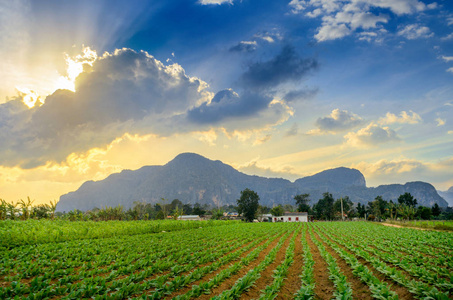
[228, 104]
[300, 95]
[287, 66]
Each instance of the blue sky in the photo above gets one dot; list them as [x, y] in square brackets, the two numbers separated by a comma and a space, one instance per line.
[274, 88]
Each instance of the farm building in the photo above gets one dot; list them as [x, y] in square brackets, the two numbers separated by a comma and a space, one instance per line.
[291, 217]
[189, 218]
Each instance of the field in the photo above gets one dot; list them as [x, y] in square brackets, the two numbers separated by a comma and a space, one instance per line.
[180, 260]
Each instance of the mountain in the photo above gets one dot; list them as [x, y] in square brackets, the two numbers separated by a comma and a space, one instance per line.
[192, 178]
[447, 195]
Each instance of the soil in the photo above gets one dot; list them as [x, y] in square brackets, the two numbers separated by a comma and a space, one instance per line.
[401, 291]
[359, 289]
[213, 274]
[324, 287]
[228, 283]
[266, 275]
[292, 282]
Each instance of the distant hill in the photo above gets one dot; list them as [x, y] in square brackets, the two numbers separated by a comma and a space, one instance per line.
[192, 178]
[448, 196]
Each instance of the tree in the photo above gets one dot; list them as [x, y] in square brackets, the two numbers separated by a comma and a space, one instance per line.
[378, 207]
[435, 210]
[361, 210]
[424, 213]
[277, 211]
[302, 201]
[164, 207]
[324, 207]
[217, 214]
[407, 199]
[248, 204]
[347, 205]
[198, 210]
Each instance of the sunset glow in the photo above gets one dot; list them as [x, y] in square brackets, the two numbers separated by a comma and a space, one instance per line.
[273, 88]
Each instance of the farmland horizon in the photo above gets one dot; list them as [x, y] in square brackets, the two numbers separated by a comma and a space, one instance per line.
[280, 89]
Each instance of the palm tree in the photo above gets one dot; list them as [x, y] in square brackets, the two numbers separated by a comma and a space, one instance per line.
[52, 207]
[25, 206]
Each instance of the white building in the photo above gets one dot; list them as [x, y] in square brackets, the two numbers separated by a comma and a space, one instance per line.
[291, 217]
[189, 218]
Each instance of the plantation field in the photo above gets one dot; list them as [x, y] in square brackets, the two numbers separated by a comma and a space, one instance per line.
[202, 260]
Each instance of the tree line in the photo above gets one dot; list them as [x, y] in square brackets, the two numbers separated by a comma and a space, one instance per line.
[327, 208]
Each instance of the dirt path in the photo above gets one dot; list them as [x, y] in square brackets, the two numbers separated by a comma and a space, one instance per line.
[418, 228]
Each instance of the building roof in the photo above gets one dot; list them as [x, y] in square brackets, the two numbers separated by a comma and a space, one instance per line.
[295, 214]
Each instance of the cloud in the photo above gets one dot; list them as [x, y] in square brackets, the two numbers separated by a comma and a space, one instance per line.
[297, 95]
[228, 104]
[447, 37]
[371, 135]
[440, 122]
[294, 130]
[126, 92]
[215, 2]
[342, 18]
[337, 121]
[447, 58]
[287, 66]
[254, 168]
[415, 31]
[111, 98]
[244, 46]
[332, 31]
[403, 118]
[450, 70]
[404, 170]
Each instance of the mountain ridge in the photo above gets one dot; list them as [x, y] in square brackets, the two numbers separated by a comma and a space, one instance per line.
[193, 178]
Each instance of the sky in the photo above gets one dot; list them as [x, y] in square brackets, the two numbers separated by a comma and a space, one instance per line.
[273, 88]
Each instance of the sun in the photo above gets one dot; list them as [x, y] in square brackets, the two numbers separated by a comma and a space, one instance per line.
[74, 67]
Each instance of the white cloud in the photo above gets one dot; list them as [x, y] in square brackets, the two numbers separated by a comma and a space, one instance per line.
[447, 58]
[450, 70]
[403, 118]
[448, 37]
[415, 31]
[371, 135]
[440, 122]
[450, 20]
[216, 2]
[297, 5]
[332, 32]
[337, 121]
[341, 18]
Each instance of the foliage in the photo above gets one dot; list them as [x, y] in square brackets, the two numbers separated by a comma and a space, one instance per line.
[302, 202]
[347, 206]
[248, 204]
[277, 211]
[324, 208]
[435, 210]
[407, 199]
[423, 213]
[378, 207]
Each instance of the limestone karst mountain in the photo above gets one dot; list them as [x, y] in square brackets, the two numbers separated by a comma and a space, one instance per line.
[192, 178]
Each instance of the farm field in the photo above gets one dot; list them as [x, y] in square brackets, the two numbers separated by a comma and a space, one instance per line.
[325, 260]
